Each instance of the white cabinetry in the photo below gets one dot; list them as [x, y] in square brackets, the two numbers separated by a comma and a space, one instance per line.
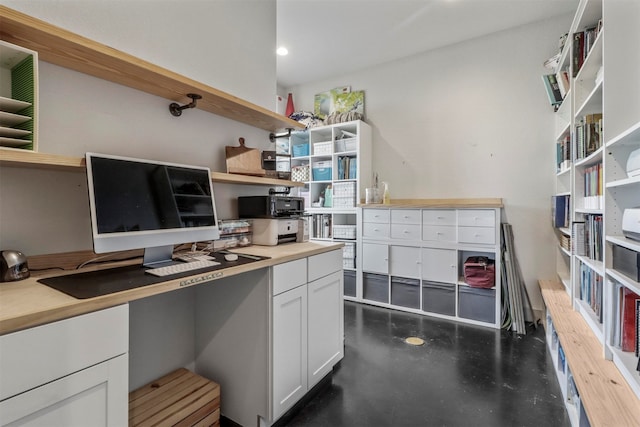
[73, 372]
[308, 326]
[289, 348]
[334, 162]
[412, 258]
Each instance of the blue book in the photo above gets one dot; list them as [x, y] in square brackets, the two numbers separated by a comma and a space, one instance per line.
[353, 164]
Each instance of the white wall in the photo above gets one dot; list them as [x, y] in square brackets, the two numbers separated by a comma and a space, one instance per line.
[469, 120]
[224, 43]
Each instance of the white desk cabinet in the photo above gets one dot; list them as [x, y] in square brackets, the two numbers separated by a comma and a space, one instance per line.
[267, 337]
[289, 348]
[307, 327]
[413, 257]
[73, 372]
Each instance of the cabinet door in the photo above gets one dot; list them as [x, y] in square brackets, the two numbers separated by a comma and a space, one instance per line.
[96, 396]
[404, 261]
[326, 325]
[440, 265]
[375, 258]
[289, 349]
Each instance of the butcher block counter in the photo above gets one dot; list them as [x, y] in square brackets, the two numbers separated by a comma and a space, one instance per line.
[28, 303]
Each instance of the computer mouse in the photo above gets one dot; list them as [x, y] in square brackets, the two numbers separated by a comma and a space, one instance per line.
[231, 257]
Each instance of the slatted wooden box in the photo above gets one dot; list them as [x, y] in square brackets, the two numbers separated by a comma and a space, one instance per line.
[180, 398]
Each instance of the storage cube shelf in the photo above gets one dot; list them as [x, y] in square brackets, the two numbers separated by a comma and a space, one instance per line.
[407, 266]
[334, 162]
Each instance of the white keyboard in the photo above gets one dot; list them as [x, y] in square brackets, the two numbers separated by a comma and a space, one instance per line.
[181, 268]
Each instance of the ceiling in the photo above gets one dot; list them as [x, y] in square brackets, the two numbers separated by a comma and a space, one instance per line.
[327, 38]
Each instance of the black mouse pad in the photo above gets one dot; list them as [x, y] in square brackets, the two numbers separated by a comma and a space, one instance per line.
[90, 284]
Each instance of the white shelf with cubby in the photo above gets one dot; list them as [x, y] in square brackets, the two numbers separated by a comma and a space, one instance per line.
[334, 163]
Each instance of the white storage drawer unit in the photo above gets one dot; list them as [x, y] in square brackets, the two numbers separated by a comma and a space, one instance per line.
[289, 275]
[476, 218]
[405, 216]
[374, 230]
[411, 258]
[376, 215]
[439, 217]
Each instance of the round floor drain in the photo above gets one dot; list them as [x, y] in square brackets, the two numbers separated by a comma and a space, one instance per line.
[414, 341]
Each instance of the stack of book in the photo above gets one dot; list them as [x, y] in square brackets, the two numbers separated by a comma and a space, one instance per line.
[627, 312]
[588, 135]
[582, 43]
[563, 154]
[347, 167]
[591, 289]
[593, 180]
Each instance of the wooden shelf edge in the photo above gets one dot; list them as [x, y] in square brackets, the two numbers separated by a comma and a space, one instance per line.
[66, 49]
[607, 397]
[230, 178]
[25, 158]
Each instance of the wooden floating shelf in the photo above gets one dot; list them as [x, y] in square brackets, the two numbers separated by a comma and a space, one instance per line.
[66, 49]
[25, 158]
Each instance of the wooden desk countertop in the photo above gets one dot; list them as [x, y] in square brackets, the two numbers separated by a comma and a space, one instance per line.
[27, 303]
[437, 203]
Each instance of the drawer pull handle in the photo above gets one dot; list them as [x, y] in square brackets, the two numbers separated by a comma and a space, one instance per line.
[405, 232]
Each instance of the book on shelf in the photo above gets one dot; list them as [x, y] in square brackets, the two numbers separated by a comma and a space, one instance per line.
[553, 90]
[578, 238]
[588, 135]
[565, 242]
[593, 236]
[564, 82]
[628, 319]
[591, 288]
[583, 41]
[560, 208]
[563, 153]
[593, 187]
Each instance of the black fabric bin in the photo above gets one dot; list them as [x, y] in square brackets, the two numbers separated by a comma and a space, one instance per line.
[477, 303]
[375, 287]
[439, 298]
[405, 292]
[349, 283]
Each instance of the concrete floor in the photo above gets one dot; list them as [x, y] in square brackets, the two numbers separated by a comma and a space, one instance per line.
[463, 375]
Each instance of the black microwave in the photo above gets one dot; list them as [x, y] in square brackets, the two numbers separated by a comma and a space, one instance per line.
[270, 206]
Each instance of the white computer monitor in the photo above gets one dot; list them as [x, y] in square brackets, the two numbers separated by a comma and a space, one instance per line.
[150, 205]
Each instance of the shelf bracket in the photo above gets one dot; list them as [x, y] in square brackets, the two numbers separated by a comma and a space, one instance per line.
[176, 109]
[273, 136]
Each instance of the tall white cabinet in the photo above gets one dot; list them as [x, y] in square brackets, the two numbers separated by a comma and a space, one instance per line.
[334, 162]
[606, 87]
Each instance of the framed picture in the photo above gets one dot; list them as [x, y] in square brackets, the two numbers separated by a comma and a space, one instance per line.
[324, 102]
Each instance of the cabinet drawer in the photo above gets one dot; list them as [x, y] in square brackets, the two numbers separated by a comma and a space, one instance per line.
[289, 275]
[439, 217]
[405, 216]
[324, 264]
[45, 353]
[405, 231]
[477, 217]
[375, 215]
[484, 235]
[375, 230]
[439, 233]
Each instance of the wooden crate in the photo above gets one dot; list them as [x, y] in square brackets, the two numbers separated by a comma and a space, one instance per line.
[180, 398]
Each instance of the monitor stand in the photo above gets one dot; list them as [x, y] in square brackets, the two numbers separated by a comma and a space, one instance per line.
[158, 256]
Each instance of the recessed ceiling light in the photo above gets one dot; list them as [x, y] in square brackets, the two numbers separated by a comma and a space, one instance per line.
[282, 51]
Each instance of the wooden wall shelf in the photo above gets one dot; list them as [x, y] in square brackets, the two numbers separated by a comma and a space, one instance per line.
[25, 158]
[66, 49]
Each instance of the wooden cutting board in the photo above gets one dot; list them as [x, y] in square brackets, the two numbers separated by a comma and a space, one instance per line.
[243, 160]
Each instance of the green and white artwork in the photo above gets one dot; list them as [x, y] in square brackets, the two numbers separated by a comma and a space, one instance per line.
[346, 102]
[324, 102]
